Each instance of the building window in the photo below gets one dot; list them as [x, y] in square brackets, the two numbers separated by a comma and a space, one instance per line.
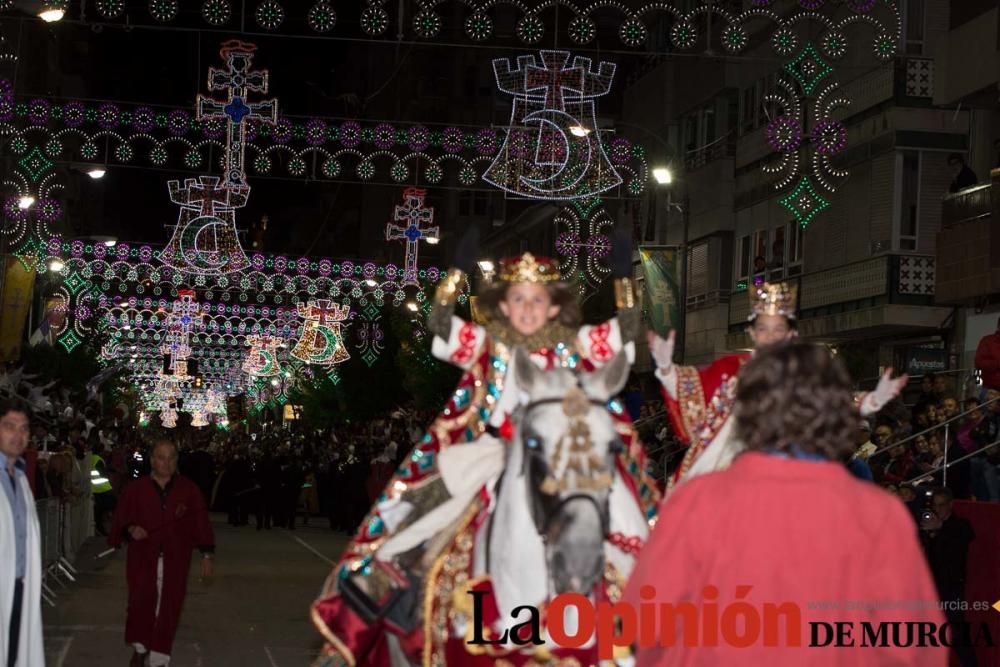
[913, 22]
[697, 270]
[748, 118]
[908, 206]
[743, 258]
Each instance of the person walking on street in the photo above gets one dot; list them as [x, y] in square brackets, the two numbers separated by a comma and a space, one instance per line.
[20, 552]
[162, 517]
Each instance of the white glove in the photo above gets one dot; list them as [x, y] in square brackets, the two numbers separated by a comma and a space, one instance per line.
[886, 390]
[662, 351]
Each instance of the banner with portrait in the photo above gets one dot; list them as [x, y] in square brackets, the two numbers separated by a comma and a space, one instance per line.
[15, 303]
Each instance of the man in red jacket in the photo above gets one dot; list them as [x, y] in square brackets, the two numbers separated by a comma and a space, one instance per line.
[988, 358]
[162, 517]
[780, 529]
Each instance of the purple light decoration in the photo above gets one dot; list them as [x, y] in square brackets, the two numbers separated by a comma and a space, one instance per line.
[829, 136]
[177, 123]
[100, 250]
[762, 3]
[486, 141]
[861, 6]
[315, 132]
[302, 265]
[452, 140]
[108, 116]
[6, 87]
[143, 119]
[55, 247]
[7, 107]
[282, 131]
[519, 144]
[38, 112]
[49, 210]
[783, 134]
[252, 128]
[391, 272]
[419, 137]
[213, 128]
[74, 114]
[257, 261]
[433, 273]
[621, 150]
[325, 267]
[811, 5]
[385, 136]
[76, 248]
[82, 312]
[567, 243]
[350, 134]
[347, 269]
[599, 245]
[369, 270]
[145, 253]
[12, 210]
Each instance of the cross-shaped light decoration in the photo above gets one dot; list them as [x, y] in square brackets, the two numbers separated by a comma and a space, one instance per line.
[414, 220]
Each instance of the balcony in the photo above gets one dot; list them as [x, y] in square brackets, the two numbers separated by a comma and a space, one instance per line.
[968, 248]
[880, 296]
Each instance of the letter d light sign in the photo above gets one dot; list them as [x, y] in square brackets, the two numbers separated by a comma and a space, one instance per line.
[553, 148]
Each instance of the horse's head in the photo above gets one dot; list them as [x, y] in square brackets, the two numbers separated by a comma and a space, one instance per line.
[568, 444]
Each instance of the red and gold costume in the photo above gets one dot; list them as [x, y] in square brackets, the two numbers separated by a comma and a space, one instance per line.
[444, 566]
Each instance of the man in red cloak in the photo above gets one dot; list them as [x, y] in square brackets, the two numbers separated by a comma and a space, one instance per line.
[162, 517]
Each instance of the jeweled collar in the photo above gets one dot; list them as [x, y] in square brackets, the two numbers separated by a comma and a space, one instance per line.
[548, 337]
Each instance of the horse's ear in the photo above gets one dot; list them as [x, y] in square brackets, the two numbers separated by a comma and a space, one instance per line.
[614, 375]
[525, 370]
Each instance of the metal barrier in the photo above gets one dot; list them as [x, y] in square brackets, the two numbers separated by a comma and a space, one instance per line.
[53, 515]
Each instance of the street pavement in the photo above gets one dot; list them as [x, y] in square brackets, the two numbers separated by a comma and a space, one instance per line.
[253, 612]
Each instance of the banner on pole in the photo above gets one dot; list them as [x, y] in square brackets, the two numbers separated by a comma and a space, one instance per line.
[18, 286]
[660, 266]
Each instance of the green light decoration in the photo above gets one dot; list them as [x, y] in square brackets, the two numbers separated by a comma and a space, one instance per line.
[374, 20]
[735, 38]
[216, 12]
[784, 41]
[69, 340]
[110, 9]
[808, 68]
[426, 24]
[479, 27]
[530, 29]
[683, 35]
[804, 202]
[163, 10]
[322, 17]
[35, 164]
[269, 15]
[582, 30]
[633, 33]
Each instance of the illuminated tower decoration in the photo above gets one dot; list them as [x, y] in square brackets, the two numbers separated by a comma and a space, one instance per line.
[199, 418]
[168, 417]
[412, 222]
[553, 149]
[322, 341]
[263, 358]
[177, 343]
[205, 239]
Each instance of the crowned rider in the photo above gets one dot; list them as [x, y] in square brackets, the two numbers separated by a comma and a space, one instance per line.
[700, 400]
[388, 594]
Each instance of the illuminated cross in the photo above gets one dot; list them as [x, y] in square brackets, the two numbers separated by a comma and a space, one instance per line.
[415, 220]
[555, 78]
[185, 313]
[238, 81]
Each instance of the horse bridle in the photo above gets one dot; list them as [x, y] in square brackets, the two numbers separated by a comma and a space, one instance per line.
[544, 507]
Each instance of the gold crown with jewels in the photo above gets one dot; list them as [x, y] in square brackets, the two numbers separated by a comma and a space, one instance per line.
[773, 299]
[529, 269]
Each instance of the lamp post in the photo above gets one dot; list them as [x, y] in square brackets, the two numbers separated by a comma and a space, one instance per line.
[664, 178]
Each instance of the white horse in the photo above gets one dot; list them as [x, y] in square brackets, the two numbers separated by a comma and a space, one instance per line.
[560, 494]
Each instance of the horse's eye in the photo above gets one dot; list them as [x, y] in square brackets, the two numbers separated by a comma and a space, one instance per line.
[531, 442]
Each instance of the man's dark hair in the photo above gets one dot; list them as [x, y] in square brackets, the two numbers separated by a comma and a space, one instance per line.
[14, 405]
[796, 397]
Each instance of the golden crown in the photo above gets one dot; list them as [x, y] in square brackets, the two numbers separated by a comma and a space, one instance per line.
[773, 299]
[528, 269]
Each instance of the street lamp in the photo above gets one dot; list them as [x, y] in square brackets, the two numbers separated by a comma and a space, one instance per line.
[25, 202]
[663, 175]
[579, 130]
[56, 266]
[487, 268]
[96, 173]
[50, 12]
